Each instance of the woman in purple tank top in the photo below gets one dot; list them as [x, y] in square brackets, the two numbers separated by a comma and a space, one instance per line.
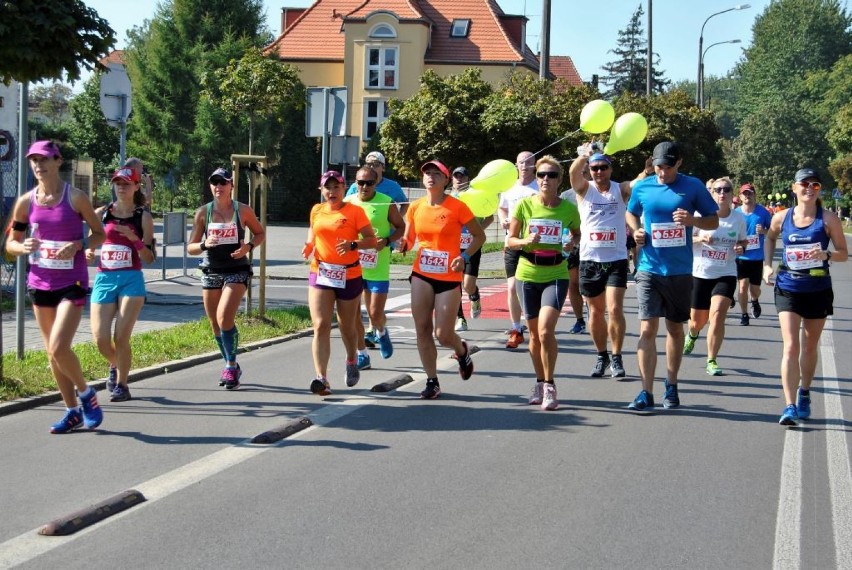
[53, 213]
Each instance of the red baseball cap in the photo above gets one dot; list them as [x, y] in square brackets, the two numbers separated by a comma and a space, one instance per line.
[437, 164]
[747, 187]
[127, 174]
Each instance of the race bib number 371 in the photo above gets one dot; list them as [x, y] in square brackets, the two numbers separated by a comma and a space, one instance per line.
[550, 231]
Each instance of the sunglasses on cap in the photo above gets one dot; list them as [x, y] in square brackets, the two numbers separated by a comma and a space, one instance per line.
[815, 186]
[365, 182]
[547, 174]
[219, 181]
[599, 167]
[373, 164]
[722, 189]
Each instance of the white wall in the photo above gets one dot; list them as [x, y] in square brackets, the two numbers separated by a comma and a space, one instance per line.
[9, 122]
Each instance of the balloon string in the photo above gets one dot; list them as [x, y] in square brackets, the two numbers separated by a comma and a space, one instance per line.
[555, 142]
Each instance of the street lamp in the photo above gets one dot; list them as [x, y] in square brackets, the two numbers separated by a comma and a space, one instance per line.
[701, 70]
[699, 96]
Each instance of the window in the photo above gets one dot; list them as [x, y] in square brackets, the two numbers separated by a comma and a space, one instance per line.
[382, 67]
[460, 28]
[382, 31]
[375, 113]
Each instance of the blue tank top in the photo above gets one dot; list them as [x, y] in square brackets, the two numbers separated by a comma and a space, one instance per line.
[799, 275]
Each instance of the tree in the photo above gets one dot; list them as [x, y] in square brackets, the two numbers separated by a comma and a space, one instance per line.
[45, 39]
[629, 72]
[51, 101]
[88, 127]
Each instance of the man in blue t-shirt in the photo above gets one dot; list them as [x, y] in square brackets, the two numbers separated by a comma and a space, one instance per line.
[661, 214]
[750, 263]
[386, 186]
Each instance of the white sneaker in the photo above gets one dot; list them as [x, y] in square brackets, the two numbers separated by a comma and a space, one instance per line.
[549, 402]
[537, 394]
[461, 324]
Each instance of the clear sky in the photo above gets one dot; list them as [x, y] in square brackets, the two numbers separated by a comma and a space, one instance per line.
[586, 31]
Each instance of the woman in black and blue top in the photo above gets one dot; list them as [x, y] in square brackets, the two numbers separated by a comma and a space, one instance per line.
[219, 232]
[803, 293]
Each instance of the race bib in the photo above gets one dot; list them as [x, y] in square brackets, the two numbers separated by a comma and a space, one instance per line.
[753, 242]
[669, 234]
[795, 256]
[434, 261]
[47, 251]
[466, 240]
[714, 255]
[368, 258]
[602, 237]
[331, 275]
[225, 233]
[114, 256]
[549, 230]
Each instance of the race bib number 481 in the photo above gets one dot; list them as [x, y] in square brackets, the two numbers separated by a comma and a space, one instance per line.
[114, 256]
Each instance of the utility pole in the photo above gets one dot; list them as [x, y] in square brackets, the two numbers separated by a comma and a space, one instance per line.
[649, 71]
[544, 60]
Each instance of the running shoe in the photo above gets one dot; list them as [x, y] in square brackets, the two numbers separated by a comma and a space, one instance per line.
[232, 376]
[579, 327]
[120, 394]
[465, 363]
[385, 345]
[515, 338]
[549, 401]
[689, 343]
[112, 379]
[432, 390]
[755, 309]
[744, 320]
[370, 339]
[803, 404]
[71, 420]
[713, 368]
[601, 364]
[321, 387]
[537, 394]
[363, 361]
[475, 308]
[789, 417]
[671, 399]
[461, 324]
[93, 415]
[643, 401]
[617, 367]
[353, 372]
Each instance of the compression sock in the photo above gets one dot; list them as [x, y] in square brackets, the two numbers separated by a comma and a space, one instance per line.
[230, 341]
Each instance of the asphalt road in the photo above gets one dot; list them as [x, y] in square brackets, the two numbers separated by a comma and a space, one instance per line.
[476, 479]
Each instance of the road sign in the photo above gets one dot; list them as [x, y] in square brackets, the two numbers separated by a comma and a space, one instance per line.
[344, 150]
[314, 119]
[115, 95]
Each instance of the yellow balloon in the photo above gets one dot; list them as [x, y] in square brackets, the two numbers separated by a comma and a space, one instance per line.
[778, 195]
[628, 131]
[597, 116]
[495, 177]
[482, 204]
[784, 196]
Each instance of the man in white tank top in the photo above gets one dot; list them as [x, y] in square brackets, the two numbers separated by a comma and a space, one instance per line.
[603, 253]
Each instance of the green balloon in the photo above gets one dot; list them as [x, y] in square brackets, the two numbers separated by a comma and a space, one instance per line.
[597, 116]
[482, 204]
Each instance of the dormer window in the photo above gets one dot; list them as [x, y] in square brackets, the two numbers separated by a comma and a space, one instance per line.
[382, 31]
[460, 28]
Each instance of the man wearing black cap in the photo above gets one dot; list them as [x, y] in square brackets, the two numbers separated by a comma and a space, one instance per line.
[661, 214]
[750, 263]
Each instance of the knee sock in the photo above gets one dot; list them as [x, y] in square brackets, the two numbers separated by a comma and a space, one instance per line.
[230, 342]
[221, 348]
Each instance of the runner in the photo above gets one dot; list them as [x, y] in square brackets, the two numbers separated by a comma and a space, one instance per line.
[803, 291]
[375, 263]
[538, 223]
[436, 221]
[119, 291]
[575, 298]
[714, 274]
[525, 186]
[219, 233]
[750, 263]
[58, 279]
[336, 277]
[386, 186]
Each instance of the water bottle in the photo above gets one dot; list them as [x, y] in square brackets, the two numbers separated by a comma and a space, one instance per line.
[566, 239]
[33, 234]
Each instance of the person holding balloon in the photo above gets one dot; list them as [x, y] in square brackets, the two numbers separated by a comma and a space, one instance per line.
[804, 296]
[537, 228]
[436, 222]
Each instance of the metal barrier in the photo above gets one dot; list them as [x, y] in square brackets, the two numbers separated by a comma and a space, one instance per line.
[174, 233]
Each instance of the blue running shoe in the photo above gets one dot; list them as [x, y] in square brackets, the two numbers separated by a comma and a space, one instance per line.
[385, 345]
[93, 415]
[579, 327]
[671, 399]
[803, 404]
[120, 394]
[71, 420]
[643, 401]
[112, 379]
[363, 361]
[790, 417]
[370, 339]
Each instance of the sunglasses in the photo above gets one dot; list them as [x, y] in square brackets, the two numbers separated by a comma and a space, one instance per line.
[815, 186]
[747, 193]
[219, 182]
[365, 182]
[722, 189]
[599, 167]
[547, 174]
[374, 164]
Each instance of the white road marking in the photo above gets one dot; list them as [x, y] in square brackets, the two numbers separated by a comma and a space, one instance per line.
[788, 520]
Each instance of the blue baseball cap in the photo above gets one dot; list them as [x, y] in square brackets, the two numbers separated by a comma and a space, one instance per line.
[599, 157]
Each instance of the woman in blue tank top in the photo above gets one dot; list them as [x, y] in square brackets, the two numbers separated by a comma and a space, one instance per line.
[803, 293]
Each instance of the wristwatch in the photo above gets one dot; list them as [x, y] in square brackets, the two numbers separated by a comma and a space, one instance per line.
[828, 255]
[353, 245]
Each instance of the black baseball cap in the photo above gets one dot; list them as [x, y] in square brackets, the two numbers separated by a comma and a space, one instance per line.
[666, 153]
[805, 173]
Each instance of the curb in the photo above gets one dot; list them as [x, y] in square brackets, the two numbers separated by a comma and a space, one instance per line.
[78, 520]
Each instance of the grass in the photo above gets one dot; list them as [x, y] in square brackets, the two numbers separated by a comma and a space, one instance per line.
[408, 258]
[31, 375]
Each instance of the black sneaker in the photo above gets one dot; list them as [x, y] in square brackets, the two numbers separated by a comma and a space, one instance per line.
[321, 387]
[465, 363]
[755, 309]
[432, 390]
[744, 320]
[671, 399]
[617, 366]
[601, 364]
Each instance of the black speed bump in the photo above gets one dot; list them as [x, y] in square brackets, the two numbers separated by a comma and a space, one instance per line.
[93, 514]
[393, 383]
[286, 430]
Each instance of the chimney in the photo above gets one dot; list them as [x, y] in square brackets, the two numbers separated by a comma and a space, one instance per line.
[288, 16]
